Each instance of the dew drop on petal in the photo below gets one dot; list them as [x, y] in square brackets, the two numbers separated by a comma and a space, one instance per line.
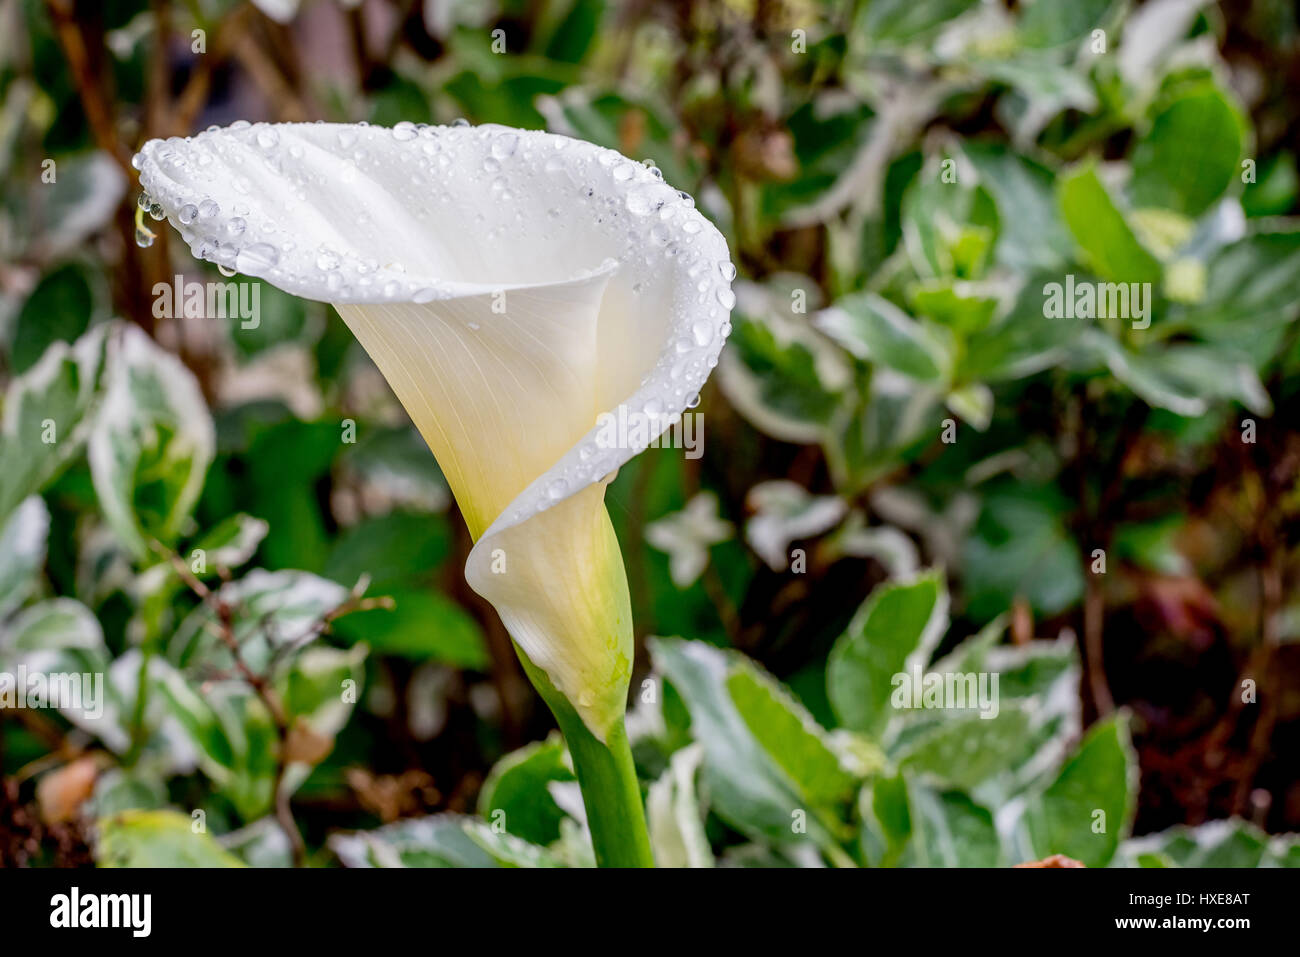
[187, 213]
[726, 297]
[640, 202]
[504, 146]
[727, 270]
[236, 226]
[256, 257]
[208, 209]
[404, 131]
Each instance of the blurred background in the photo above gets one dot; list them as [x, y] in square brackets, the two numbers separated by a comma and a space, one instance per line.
[1112, 510]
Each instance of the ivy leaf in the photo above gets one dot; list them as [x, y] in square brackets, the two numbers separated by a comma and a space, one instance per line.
[898, 626]
[1087, 810]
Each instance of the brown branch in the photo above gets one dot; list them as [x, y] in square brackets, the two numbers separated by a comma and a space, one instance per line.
[89, 81]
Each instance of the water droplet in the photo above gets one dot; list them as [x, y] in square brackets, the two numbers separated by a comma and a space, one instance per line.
[726, 297]
[156, 211]
[143, 238]
[459, 122]
[267, 138]
[727, 270]
[557, 489]
[703, 333]
[137, 161]
[187, 213]
[236, 226]
[504, 146]
[404, 131]
[208, 209]
[225, 270]
[641, 202]
[326, 260]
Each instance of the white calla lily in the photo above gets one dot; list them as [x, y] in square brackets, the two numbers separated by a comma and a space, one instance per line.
[511, 286]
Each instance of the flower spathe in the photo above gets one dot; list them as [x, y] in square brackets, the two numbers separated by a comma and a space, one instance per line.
[512, 286]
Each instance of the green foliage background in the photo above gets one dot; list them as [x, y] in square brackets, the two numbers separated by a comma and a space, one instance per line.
[909, 461]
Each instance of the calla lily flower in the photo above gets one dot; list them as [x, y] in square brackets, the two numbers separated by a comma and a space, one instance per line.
[512, 286]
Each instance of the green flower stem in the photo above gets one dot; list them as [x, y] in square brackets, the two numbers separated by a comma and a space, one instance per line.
[607, 776]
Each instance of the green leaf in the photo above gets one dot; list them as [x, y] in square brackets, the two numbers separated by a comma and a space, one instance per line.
[1172, 173]
[395, 549]
[157, 839]
[876, 330]
[1051, 23]
[423, 625]
[53, 625]
[949, 228]
[746, 787]
[397, 464]
[60, 309]
[961, 750]
[273, 613]
[46, 413]
[1023, 342]
[1273, 191]
[906, 823]
[1230, 843]
[964, 307]
[151, 444]
[1146, 376]
[774, 374]
[515, 792]
[234, 736]
[674, 814]
[229, 544]
[1103, 234]
[1020, 547]
[1032, 236]
[895, 21]
[439, 840]
[23, 538]
[898, 626]
[949, 830]
[1250, 293]
[885, 820]
[508, 850]
[790, 735]
[1088, 809]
